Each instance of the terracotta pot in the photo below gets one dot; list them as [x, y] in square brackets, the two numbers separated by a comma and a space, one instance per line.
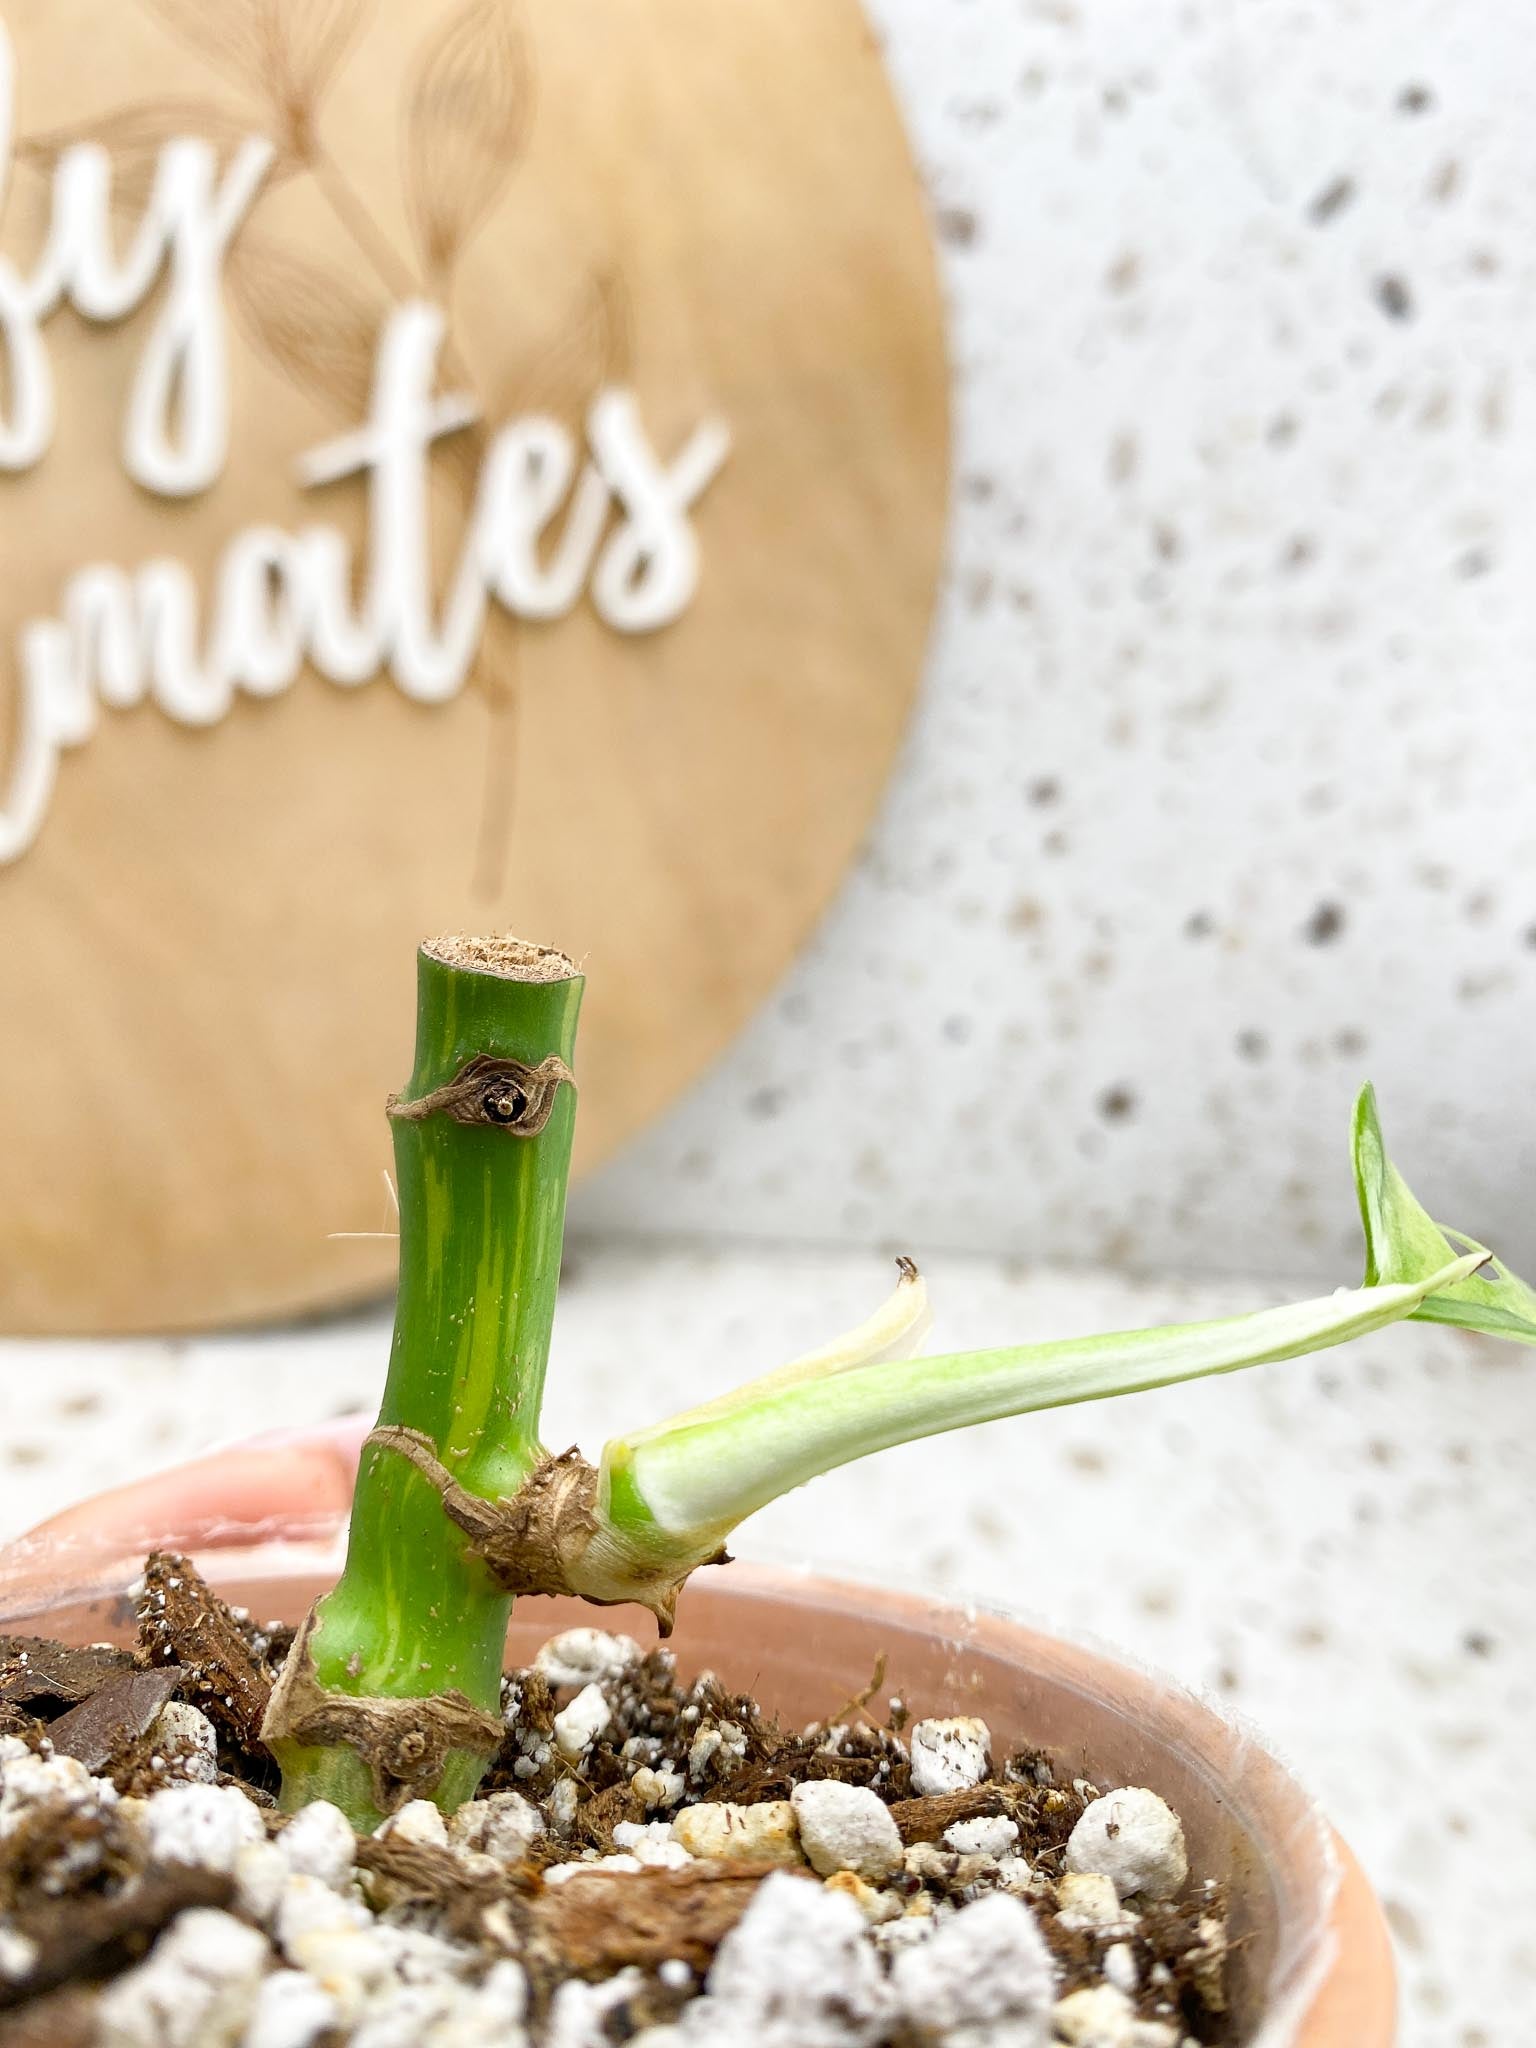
[1313, 1965]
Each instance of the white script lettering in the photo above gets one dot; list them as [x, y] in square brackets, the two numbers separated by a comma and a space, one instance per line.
[545, 524]
[176, 434]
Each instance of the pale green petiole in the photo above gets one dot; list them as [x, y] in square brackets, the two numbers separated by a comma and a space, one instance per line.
[677, 1489]
[669, 1495]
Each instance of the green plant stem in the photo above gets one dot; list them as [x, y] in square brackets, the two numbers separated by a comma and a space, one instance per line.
[482, 1215]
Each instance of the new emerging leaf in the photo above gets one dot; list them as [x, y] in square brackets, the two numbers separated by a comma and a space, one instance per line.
[668, 1496]
[1403, 1243]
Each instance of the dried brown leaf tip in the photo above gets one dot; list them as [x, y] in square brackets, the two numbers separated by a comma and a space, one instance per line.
[466, 120]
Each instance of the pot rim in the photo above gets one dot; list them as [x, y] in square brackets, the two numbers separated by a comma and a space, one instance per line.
[1313, 1973]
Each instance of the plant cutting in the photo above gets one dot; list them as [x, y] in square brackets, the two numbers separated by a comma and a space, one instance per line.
[392, 1689]
[591, 1843]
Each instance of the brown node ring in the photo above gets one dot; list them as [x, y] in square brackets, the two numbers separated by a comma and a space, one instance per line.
[491, 1093]
[541, 1539]
[527, 1543]
[404, 1742]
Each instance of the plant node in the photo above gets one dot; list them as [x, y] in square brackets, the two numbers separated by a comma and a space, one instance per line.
[404, 1742]
[549, 1536]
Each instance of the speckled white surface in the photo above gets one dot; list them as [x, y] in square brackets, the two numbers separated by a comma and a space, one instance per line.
[1343, 1548]
[1221, 797]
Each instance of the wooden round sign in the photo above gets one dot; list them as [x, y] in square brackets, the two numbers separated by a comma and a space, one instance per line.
[463, 464]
